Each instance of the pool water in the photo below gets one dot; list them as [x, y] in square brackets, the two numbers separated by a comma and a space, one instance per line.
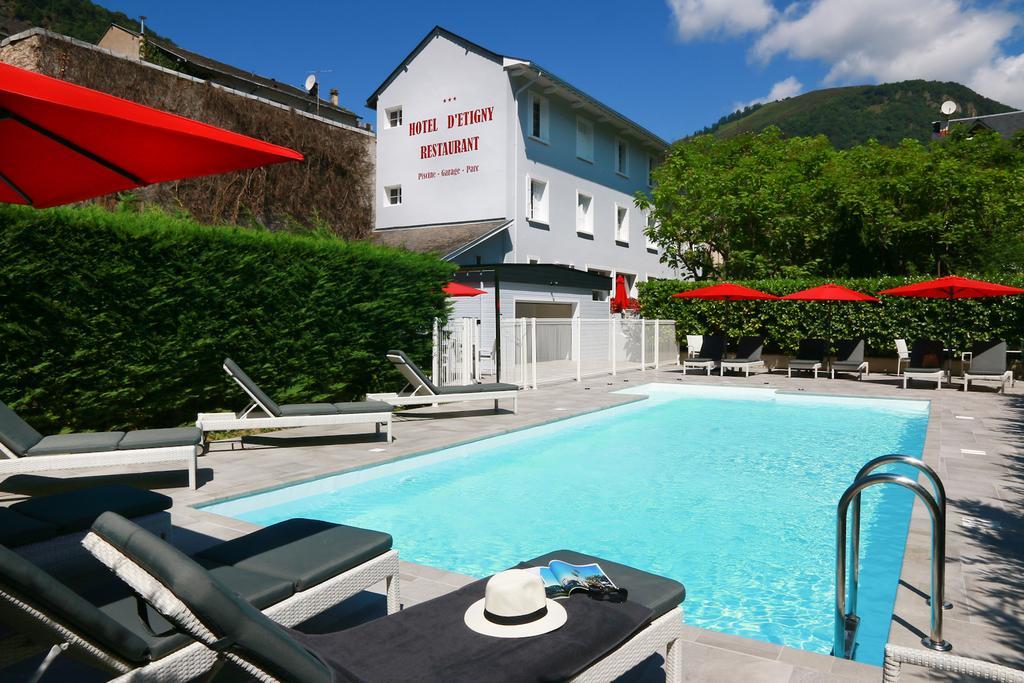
[731, 491]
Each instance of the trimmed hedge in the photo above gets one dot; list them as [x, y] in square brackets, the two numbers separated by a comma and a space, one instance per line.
[121, 320]
[785, 323]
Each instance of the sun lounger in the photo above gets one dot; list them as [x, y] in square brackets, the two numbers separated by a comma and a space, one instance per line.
[850, 358]
[429, 641]
[988, 363]
[29, 451]
[712, 348]
[926, 357]
[264, 413]
[421, 391]
[291, 571]
[748, 356]
[48, 530]
[809, 357]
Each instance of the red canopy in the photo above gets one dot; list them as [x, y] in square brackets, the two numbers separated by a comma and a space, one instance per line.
[621, 299]
[953, 287]
[456, 289]
[725, 291]
[829, 292]
[64, 143]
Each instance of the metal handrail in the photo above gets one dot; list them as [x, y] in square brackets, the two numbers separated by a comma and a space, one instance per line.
[934, 639]
[940, 498]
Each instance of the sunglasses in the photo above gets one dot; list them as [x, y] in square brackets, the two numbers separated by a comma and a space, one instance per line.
[609, 595]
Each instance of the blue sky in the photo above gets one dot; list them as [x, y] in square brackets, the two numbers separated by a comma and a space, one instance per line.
[672, 66]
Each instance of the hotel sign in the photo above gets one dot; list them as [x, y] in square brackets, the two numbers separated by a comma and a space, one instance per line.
[452, 145]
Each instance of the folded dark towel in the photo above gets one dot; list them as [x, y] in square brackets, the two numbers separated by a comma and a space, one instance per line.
[431, 642]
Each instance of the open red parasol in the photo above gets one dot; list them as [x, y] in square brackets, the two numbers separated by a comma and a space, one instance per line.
[829, 292]
[457, 289]
[725, 291]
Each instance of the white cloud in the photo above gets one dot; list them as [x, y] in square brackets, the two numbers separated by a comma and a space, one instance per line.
[789, 87]
[892, 40]
[711, 18]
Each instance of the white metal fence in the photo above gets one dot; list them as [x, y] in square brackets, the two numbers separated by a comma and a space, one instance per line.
[541, 350]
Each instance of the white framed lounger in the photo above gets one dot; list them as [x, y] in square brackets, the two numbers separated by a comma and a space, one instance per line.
[707, 365]
[185, 455]
[1002, 379]
[745, 365]
[937, 376]
[425, 393]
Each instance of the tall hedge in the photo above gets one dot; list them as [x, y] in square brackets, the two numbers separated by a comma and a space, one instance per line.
[121, 320]
[784, 323]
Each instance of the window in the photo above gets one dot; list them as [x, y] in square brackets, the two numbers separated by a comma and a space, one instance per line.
[621, 158]
[649, 225]
[538, 119]
[651, 163]
[532, 260]
[621, 224]
[585, 140]
[394, 116]
[600, 294]
[393, 195]
[584, 213]
[537, 209]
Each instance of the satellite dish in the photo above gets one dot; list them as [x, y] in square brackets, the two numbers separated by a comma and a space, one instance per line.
[948, 108]
[311, 81]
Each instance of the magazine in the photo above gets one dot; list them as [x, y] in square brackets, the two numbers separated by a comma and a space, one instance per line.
[561, 578]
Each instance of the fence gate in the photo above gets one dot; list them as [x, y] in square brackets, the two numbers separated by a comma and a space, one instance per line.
[456, 356]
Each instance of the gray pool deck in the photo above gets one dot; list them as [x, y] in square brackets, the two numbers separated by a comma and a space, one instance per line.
[975, 441]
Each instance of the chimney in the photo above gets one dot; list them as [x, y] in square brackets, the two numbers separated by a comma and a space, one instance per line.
[334, 96]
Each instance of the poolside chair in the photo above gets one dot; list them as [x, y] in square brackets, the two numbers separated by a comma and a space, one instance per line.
[926, 358]
[27, 450]
[426, 642]
[291, 571]
[748, 356]
[421, 391]
[809, 357]
[849, 358]
[988, 363]
[693, 345]
[264, 413]
[712, 348]
[902, 354]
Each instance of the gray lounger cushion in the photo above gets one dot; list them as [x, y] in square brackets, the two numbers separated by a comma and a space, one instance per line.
[356, 407]
[15, 433]
[416, 369]
[245, 628]
[476, 388]
[86, 442]
[988, 359]
[252, 387]
[77, 510]
[808, 364]
[923, 371]
[161, 438]
[658, 593]
[353, 408]
[17, 529]
[303, 551]
[846, 365]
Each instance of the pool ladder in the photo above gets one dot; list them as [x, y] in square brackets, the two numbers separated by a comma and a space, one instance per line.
[846, 619]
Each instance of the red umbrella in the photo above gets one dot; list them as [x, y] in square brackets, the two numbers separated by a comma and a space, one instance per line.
[620, 302]
[456, 289]
[829, 292]
[725, 291]
[64, 143]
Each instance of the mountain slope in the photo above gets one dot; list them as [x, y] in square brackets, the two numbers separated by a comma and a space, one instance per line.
[80, 19]
[888, 112]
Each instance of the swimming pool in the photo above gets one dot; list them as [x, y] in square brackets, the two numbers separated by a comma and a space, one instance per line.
[731, 491]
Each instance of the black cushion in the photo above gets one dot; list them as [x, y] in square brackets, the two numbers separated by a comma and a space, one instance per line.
[300, 409]
[15, 433]
[808, 364]
[844, 365]
[303, 551]
[476, 388]
[254, 390]
[86, 442]
[161, 438]
[49, 596]
[415, 369]
[988, 358]
[850, 351]
[749, 348]
[658, 593]
[356, 407]
[811, 350]
[927, 353]
[712, 347]
[77, 510]
[17, 529]
[222, 612]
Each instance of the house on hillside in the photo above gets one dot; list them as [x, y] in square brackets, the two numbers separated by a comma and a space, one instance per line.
[127, 42]
[1006, 124]
[487, 159]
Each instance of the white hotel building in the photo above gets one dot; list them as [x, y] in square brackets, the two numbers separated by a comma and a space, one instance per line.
[487, 159]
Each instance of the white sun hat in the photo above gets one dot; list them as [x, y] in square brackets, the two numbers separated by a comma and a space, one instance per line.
[514, 606]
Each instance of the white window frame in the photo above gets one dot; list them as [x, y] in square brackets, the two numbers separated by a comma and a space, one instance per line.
[533, 99]
[387, 195]
[588, 226]
[606, 293]
[624, 238]
[649, 223]
[624, 158]
[531, 213]
[387, 117]
[585, 154]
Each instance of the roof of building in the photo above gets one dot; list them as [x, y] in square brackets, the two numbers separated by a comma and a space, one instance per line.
[447, 240]
[548, 274]
[544, 79]
[216, 67]
[1006, 124]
